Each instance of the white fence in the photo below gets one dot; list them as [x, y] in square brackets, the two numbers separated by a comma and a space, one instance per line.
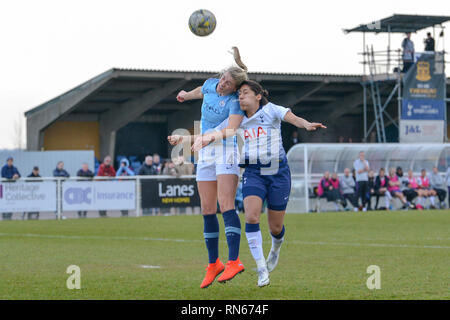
[61, 195]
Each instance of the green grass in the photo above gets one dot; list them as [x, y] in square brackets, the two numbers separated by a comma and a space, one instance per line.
[325, 256]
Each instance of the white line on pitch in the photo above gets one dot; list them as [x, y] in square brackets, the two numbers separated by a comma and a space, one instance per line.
[320, 243]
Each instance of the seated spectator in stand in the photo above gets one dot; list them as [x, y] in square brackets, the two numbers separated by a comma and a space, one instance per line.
[157, 163]
[414, 186]
[147, 168]
[348, 189]
[329, 188]
[60, 171]
[447, 182]
[424, 185]
[381, 189]
[85, 173]
[124, 170]
[9, 171]
[410, 194]
[437, 184]
[394, 188]
[106, 170]
[34, 174]
[371, 189]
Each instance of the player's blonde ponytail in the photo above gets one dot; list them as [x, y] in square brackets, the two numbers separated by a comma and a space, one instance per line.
[238, 73]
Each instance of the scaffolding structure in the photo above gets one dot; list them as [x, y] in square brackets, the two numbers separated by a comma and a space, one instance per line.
[382, 70]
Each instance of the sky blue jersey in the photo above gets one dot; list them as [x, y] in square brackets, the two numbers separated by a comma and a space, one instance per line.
[216, 108]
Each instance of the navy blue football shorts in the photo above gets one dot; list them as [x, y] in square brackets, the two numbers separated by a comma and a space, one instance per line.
[275, 188]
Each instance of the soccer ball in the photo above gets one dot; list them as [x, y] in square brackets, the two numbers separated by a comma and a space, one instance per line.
[202, 22]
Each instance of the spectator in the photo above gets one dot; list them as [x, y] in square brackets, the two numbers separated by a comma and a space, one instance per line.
[34, 174]
[60, 171]
[429, 42]
[124, 170]
[330, 189]
[394, 188]
[182, 168]
[424, 185]
[381, 189]
[362, 169]
[413, 185]
[157, 163]
[169, 169]
[371, 188]
[348, 189]
[447, 181]
[147, 168]
[9, 172]
[437, 184]
[408, 52]
[341, 139]
[106, 170]
[85, 173]
[410, 194]
[293, 140]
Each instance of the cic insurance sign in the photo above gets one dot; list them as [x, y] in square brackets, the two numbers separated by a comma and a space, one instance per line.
[98, 195]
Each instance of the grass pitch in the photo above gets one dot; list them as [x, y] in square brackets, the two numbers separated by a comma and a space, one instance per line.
[325, 256]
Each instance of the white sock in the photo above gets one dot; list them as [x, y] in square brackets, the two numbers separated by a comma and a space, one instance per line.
[254, 240]
[276, 243]
[432, 200]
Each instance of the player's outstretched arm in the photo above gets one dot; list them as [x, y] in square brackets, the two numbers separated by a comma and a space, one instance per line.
[234, 121]
[302, 123]
[191, 95]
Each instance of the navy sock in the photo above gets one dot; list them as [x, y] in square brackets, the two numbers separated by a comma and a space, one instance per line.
[211, 234]
[233, 233]
[280, 235]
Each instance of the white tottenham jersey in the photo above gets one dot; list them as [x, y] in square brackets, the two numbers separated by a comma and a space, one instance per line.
[259, 137]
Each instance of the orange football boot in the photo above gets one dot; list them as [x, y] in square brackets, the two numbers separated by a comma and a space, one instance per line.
[212, 271]
[232, 268]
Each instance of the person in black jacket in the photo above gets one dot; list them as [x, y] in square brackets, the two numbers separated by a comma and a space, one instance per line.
[34, 174]
[60, 171]
[9, 172]
[381, 188]
[429, 42]
[148, 168]
[85, 173]
[370, 189]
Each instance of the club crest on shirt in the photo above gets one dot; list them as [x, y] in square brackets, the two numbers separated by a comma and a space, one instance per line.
[222, 103]
[261, 118]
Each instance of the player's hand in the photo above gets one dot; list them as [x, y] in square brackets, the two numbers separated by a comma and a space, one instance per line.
[175, 139]
[312, 126]
[201, 142]
[181, 97]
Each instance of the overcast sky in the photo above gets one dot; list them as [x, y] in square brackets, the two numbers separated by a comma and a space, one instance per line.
[51, 46]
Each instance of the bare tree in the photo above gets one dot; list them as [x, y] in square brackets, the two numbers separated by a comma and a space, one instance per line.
[18, 133]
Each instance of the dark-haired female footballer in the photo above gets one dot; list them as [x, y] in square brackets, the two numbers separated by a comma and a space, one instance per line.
[217, 177]
[267, 174]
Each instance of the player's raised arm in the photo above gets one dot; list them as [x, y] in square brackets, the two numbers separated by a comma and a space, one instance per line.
[191, 95]
[302, 123]
[234, 122]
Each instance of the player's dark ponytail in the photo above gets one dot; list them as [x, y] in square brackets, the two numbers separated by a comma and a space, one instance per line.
[257, 89]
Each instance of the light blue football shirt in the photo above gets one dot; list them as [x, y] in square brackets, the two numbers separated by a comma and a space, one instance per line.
[216, 108]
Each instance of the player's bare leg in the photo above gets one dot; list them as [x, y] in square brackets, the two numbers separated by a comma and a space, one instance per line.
[253, 207]
[276, 227]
